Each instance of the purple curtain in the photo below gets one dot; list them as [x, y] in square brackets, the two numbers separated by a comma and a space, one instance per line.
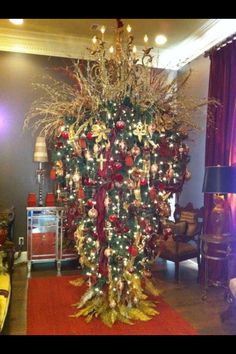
[221, 126]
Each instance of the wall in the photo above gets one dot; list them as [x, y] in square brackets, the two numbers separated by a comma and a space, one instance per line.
[197, 87]
[17, 176]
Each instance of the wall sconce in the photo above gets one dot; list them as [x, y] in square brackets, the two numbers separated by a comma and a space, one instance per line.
[40, 155]
[220, 180]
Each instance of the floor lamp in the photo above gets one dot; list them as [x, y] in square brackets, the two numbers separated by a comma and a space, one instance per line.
[40, 156]
[220, 180]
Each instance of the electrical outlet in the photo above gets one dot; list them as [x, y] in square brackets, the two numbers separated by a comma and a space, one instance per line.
[20, 241]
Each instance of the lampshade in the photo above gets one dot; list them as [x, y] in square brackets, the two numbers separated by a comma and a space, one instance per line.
[40, 150]
[219, 179]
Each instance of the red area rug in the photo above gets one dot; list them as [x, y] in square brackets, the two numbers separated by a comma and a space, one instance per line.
[49, 308]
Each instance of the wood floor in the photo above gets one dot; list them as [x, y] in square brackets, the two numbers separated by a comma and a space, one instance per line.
[184, 296]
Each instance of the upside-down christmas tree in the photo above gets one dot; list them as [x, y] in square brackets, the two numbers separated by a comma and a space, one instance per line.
[117, 135]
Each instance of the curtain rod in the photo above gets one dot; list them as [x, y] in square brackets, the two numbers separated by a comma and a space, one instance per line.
[220, 45]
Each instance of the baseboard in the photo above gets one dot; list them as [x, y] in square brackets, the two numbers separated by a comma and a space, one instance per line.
[22, 259]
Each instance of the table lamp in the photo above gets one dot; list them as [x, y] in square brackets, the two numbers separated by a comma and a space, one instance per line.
[40, 155]
[220, 180]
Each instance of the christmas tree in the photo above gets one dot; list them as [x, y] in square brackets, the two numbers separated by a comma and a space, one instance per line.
[118, 136]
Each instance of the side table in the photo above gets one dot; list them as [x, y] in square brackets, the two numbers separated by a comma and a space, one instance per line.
[220, 255]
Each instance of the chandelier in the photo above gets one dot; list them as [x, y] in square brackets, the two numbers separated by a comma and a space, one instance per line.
[117, 70]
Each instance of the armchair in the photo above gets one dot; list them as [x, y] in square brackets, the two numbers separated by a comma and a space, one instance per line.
[183, 242]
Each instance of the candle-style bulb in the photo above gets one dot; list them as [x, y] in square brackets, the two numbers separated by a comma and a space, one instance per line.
[145, 38]
[103, 29]
[128, 28]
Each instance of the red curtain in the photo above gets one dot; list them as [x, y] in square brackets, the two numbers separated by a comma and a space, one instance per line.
[221, 126]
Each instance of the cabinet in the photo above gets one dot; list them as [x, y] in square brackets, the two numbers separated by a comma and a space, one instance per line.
[46, 237]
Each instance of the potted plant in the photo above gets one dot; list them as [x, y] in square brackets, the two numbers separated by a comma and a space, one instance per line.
[3, 231]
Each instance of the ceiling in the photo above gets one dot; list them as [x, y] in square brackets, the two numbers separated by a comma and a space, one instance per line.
[187, 38]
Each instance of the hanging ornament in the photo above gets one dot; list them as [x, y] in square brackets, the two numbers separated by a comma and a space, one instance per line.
[135, 150]
[107, 201]
[76, 176]
[96, 149]
[137, 194]
[130, 184]
[77, 148]
[82, 143]
[140, 130]
[91, 203]
[120, 285]
[170, 172]
[147, 273]
[65, 135]
[108, 252]
[87, 155]
[120, 124]
[126, 207]
[181, 150]
[112, 304]
[122, 145]
[153, 193]
[108, 145]
[129, 161]
[188, 175]
[93, 213]
[154, 168]
[100, 131]
[151, 128]
[113, 218]
[80, 193]
[90, 136]
[59, 168]
[53, 174]
[133, 250]
[101, 161]
[143, 182]
[117, 166]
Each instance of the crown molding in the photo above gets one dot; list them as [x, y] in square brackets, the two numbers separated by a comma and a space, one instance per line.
[207, 36]
[211, 33]
[43, 44]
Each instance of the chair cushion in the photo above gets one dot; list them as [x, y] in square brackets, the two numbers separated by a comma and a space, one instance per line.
[5, 291]
[191, 219]
[186, 250]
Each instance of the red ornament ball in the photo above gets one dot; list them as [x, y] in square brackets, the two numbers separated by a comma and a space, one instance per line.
[90, 136]
[133, 250]
[91, 203]
[143, 182]
[129, 161]
[113, 218]
[65, 135]
[95, 235]
[119, 178]
[120, 124]
[117, 166]
[125, 229]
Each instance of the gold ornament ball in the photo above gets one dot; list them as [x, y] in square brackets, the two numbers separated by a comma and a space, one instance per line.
[112, 304]
[108, 252]
[93, 213]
